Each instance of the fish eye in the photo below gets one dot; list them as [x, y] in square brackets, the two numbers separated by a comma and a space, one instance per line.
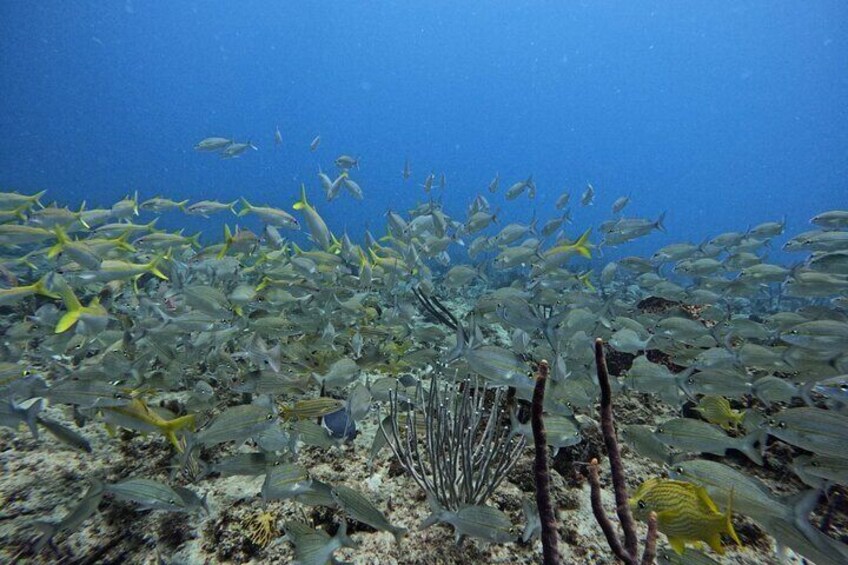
[641, 504]
[270, 417]
[679, 470]
[660, 430]
[781, 425]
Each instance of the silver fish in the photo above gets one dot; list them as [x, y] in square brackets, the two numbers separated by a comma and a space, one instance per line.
[478, 521]
[315, 547]
[360, 508]
[700, 437]
[285, 480]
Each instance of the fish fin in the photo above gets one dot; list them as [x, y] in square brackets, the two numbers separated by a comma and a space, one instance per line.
[714, 541]
[679, 544]
[729, 521]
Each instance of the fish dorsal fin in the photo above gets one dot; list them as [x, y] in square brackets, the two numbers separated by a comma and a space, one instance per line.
[705, 499]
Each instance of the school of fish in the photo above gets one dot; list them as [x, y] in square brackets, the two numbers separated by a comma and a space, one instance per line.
[232, 356]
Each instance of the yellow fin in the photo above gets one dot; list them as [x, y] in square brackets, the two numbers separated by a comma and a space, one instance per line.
[729, 517]
[714, 541]
[67, 321]
[678, 545]
[302, 203]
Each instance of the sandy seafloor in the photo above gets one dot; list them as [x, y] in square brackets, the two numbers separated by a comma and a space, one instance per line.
[44, 479]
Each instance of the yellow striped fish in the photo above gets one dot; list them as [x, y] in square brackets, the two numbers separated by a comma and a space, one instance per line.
[311, 408]
[716, 410]
[685, 513]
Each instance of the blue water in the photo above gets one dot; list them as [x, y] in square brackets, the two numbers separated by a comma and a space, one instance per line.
[725, 114]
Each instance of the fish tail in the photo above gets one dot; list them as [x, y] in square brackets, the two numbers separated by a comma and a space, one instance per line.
[182, 205]
[461, 344]
[343, 538]
[31, 415]
[154, 270]
[171, 427]
[40, 287]
[397, 531]
[748, 447]
[70, 317]
[62, 239]
[584, 278]
[121, 241]
[36, 198]
[435, 515]
[246, 207]
[48, 532]
[302, 203]
[335, 246]
[232, 207]
[228, 241]
[363, 260]
[659, 223]
[19, 212]
[263, 284]
[582, 244]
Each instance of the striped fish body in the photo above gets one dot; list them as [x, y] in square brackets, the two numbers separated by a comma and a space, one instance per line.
[685, 513]
[716, 409]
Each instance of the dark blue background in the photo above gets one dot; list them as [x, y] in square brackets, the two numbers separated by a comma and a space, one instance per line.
[725, 114]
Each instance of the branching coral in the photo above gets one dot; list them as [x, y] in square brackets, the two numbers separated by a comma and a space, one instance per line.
[465, 450]
[629, 551]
